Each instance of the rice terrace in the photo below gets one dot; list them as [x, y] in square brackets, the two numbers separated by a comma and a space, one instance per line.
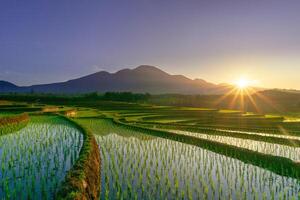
[145, 151]
[149, 100]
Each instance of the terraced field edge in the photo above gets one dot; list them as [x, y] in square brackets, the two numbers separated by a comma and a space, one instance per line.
[83, 180]
[13, 123]
[279, 165]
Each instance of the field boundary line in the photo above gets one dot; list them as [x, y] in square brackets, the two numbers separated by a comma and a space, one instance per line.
[279, 165]
[82, 182]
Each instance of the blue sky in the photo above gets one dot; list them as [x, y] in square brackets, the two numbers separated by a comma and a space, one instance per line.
[220, 41]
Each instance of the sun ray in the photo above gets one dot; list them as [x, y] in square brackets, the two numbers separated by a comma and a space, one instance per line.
[223, 97]
[249, 93]
[268, 101]
[242, 99]
[233, 101]
[243, 95]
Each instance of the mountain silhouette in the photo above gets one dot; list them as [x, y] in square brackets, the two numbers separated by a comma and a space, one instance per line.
[139, 80]
[9, 87]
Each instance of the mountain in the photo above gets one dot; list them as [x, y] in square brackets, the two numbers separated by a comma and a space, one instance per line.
[9, 87]
[139, 80]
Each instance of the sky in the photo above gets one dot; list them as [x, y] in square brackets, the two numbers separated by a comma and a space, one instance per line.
[219, 41]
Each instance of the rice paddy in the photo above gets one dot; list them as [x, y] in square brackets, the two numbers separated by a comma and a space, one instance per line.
[292, 153]
[35, 159]
[156, 168]
[139, 160]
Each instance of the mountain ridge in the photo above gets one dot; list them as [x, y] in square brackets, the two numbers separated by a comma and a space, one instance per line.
[142, 79]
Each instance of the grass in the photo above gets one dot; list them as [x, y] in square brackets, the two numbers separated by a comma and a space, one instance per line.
[83, 181]
[12, 123]
[230, 111]
[85, 112]
[193, 108]
[20, 109]
[3, 102]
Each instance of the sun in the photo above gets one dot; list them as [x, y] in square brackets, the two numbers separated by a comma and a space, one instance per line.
[242, 83]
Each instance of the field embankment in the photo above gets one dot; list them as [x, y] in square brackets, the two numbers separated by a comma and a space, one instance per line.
[13, 123]
[83, 180]
[256, 136]
[276, 164]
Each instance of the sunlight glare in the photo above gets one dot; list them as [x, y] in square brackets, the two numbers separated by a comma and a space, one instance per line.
[242, 83]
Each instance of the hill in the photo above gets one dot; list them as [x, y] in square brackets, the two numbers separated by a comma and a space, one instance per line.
[139, 80]
[9, 87]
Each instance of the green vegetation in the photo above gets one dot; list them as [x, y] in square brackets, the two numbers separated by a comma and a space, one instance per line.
[35, 159]
[138, 166]
[86, 113]
[272, 101]
[11, 123]
[163, 152]
[279, 165]
[269, 148]
[83, 180]
[48, 131]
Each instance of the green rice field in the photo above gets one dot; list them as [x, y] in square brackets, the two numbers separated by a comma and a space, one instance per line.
[152, 152]
[35, 159]
[138, 166]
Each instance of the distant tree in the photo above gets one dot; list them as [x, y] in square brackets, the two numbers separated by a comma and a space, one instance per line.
[125, 96]
[92, 95]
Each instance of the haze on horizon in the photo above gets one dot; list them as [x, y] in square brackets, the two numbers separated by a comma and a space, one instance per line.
[219, 41]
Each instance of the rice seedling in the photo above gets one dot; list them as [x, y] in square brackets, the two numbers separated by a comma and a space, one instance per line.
[186, 161]
[35, 159]
[158, 168]
[292, 153]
